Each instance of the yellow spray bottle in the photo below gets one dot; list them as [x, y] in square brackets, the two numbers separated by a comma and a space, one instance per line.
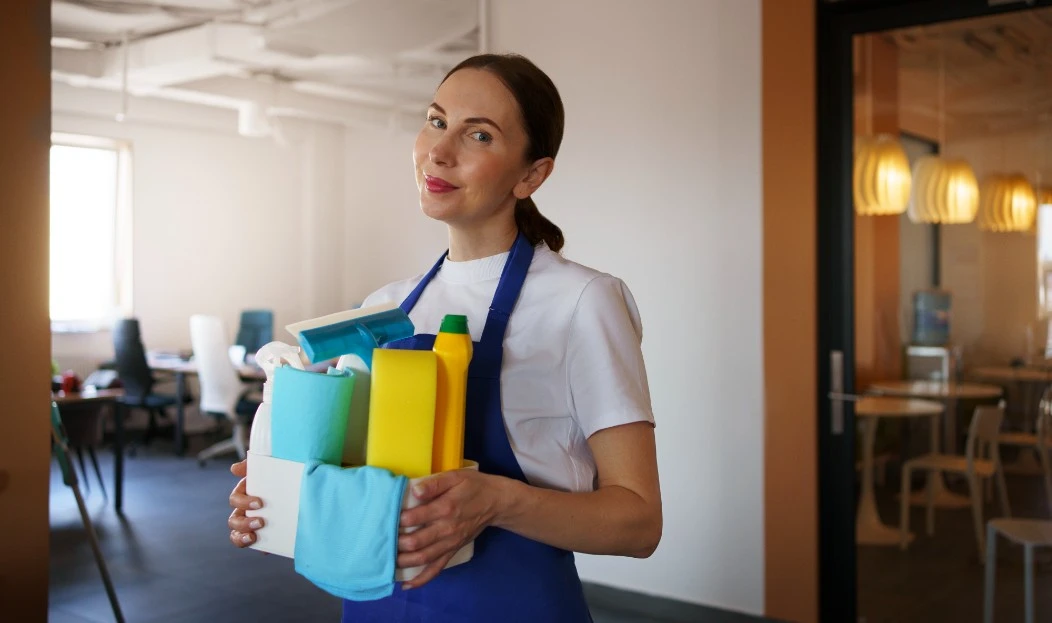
[453, 350]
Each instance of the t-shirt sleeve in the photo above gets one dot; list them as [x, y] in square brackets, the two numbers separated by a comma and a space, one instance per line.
[607, 377]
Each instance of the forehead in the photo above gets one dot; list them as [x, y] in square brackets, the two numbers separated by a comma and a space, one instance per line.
[477, 93]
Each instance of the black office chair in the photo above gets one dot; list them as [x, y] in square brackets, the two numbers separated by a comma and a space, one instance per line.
[256, 329]
[136, 377]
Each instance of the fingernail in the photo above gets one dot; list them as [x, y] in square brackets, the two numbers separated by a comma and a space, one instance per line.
[254, 505]
[246, 538]
[418, 490]
[406, 587]
[256, 524]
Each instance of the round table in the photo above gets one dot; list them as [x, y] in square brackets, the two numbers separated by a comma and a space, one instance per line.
[1031, 377]
[948, 394]
[869, 530]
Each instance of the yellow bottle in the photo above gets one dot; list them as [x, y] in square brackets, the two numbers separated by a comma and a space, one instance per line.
[402, 411]
[453, 349]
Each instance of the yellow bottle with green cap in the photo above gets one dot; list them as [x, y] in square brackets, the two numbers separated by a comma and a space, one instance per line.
[453, 350]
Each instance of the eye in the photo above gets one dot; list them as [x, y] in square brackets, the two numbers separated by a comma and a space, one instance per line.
[482, 137]
[436, 122]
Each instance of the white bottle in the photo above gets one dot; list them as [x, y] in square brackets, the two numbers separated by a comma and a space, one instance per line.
[269, 357]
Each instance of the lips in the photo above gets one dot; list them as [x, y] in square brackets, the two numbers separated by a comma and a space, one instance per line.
[438, 185]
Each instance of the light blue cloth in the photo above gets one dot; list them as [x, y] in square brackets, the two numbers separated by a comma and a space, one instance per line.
[347, 536]
[308, 415]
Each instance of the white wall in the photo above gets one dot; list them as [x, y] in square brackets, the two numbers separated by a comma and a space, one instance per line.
[993, 276]
[658, 181]
[220, 222]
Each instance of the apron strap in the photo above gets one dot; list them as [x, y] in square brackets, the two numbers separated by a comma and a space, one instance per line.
[410, 301]
[508, 289]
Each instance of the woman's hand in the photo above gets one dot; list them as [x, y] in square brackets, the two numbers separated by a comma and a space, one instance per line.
[242, 528]
[455, 507]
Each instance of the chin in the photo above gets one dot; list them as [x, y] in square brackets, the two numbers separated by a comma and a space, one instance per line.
[437, 210]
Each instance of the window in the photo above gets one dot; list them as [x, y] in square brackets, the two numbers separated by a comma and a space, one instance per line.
[1044, 258]
[90, 241]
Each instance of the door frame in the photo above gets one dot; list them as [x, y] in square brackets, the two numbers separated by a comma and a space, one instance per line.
[838, 21]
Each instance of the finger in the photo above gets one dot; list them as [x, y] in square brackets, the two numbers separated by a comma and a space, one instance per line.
[240, 499]
[436, 485]
[427, 513]
[244, 524]
[242, 539]
[424, 537]
[436, 551]
[429, 573]
[240, 469]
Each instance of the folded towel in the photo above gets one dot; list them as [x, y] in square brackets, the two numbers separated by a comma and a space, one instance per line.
[308, 418]
[347, 535]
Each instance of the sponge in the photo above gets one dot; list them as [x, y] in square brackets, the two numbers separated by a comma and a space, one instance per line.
[402, 411]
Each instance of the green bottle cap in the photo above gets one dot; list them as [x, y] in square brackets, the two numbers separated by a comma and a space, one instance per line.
[453, 323]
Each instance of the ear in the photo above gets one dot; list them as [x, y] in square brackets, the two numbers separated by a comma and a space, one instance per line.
[535, 176]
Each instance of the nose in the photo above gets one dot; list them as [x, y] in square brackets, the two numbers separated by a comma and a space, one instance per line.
[442, 153]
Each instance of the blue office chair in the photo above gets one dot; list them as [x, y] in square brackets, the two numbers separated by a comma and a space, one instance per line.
[256, 329]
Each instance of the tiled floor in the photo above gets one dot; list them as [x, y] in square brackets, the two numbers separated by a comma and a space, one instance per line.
[169, 555]
[939, 578]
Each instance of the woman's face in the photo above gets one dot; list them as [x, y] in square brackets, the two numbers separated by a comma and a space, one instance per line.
[470, 154]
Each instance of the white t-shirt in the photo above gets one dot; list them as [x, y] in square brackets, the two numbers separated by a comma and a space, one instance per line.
[572, 359]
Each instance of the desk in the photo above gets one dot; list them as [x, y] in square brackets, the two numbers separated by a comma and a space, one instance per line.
[948, 394]
[180, 369]
[869, 530]
[107, 396]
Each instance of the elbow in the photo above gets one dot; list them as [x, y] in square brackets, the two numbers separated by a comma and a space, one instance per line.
[650, 537]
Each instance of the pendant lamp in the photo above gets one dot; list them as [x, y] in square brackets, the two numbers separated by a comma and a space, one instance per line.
[1007, 203]
[881, 178]
[945, 190]
[1044, 197]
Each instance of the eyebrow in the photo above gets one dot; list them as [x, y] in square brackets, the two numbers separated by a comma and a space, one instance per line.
[470, 119]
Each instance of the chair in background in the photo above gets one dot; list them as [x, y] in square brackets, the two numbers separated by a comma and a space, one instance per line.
[136, 377]
[60, 447]
[982, 442]
[222, 392]
[255, 329]
[1029, 533]
[83, 426]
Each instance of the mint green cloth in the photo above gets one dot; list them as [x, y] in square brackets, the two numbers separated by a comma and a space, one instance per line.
[308, 417]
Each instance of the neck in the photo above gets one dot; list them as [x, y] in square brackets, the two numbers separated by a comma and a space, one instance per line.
[476, 243]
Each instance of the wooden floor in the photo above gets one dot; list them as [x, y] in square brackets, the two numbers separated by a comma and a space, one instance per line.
[939, 578]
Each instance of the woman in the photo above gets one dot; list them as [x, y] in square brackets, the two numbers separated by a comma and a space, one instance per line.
[558, 414]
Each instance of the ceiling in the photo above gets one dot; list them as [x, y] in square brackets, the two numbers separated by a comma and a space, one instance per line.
[997, 73]
[346, 61]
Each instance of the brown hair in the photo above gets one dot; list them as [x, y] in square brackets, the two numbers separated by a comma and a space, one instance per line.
[541, 110]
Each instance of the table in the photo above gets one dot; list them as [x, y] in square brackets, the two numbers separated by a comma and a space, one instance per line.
[180, 368]
[111, 396]
[1032, 377]
[947, 393]
[869, 530]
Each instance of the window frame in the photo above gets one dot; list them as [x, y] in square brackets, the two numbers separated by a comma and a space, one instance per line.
[122, 239]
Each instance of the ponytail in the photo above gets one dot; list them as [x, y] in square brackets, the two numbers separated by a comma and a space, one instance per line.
[536, 227]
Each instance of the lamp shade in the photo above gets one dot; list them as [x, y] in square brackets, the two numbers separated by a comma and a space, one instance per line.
[944, 191]
[1007, 203]
[881, 176]
[1044, 196]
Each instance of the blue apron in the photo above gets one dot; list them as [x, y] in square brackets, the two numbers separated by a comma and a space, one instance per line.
[510, 578]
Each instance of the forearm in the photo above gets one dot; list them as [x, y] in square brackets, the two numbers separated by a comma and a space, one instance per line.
[612, 520]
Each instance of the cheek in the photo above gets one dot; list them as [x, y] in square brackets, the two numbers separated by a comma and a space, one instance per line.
[420, 150]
